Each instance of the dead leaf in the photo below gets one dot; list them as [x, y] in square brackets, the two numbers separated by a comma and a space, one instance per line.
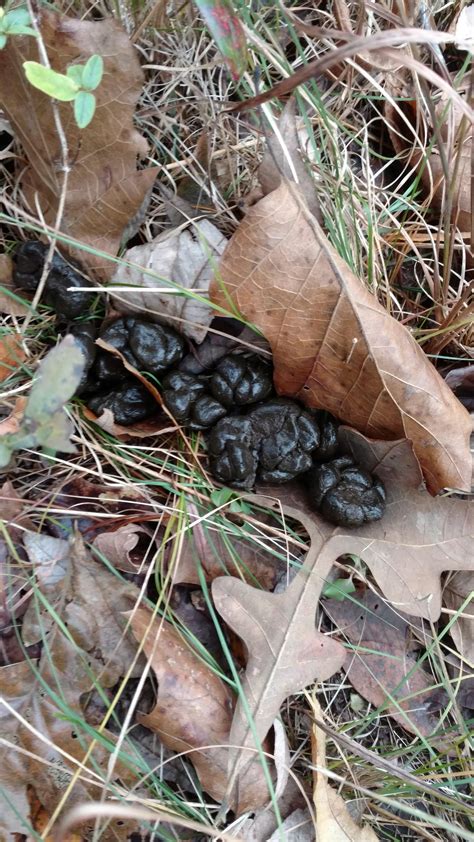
[285, 652]
[388, 671]
[176, 261]
[459, 588]
[49, 557]
[333, 820]
[298, 827]
[116, 546]
[92, 651]
[193, 711]
[334, 346]
[105, 189]
[12, 355]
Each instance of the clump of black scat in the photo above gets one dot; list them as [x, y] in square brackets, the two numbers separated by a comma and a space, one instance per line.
[345, 493]
[61, 288]
[149, 347]
[199, 401]
[273, 442]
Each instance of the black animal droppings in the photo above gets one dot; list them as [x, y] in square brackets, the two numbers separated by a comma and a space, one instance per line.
[345, 493]
[188, 399]
[68, 303]
[155, 346]
[130, 402]
[241, 380]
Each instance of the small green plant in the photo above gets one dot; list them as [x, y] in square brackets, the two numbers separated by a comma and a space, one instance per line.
[14, 22]
[76, 85]
[44, 423]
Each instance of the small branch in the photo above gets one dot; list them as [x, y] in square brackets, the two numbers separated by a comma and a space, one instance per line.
[65, 169]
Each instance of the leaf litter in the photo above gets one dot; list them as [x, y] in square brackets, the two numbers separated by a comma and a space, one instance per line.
[283, 652]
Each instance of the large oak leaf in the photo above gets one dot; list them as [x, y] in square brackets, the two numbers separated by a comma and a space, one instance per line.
[105, 189]
[334, 346]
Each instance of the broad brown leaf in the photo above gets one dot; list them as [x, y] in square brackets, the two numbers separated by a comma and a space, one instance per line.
[334, 346]
[105, 189]
[193, 712]
[379, 666]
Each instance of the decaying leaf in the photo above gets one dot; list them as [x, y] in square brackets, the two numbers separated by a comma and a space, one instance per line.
[333, 820]
[334, 346]
[175, 262]
[44, 422]
[12, 355]
[458, 595]
[418, 538]
[117, 546]
[10, 302]
[379, 666]
[105, 189]
[193, 712]
[88, 650]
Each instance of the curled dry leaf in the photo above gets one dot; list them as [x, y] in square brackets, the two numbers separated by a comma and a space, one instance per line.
[379, 666]
[10, 302]
[163, 270]
[117, 546]
[193, 712]
[90, 601]
[105, 189]
[334, 346]
[333, 820]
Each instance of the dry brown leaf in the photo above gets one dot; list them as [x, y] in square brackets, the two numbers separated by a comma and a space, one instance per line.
[334, 346]
[12, 355]
[458, 589]
[193, 712]
[176, 261]
[333, 820]
[418, 538]
[105, 189]
[379, 666]
[116, 546]
[141, 430]
[90, 601]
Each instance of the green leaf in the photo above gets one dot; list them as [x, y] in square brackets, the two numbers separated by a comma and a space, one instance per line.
[92, 73]
[22, 30]
[339, 589]
[16, 17]
[3, 40]
[228, 33]
[59, 376]
[56, 85]
[221, 496]
[84, 107]
[74, 72]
